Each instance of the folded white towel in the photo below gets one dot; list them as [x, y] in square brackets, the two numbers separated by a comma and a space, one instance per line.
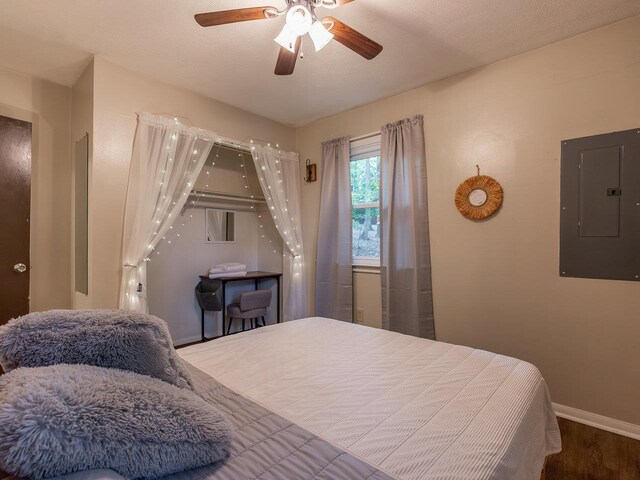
[228, 267]
[228, 274]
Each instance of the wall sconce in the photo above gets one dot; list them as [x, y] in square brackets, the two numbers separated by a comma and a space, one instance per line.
[310, 175]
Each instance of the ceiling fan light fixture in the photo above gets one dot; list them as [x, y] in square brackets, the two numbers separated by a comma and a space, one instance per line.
[320, 35]
[287, 39]
[299, 20]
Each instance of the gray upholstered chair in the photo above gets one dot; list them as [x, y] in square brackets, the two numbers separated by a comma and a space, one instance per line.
[252, 306]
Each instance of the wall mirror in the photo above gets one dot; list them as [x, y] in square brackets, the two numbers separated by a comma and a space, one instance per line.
[81, 176]
[220, 226]
[478, 197]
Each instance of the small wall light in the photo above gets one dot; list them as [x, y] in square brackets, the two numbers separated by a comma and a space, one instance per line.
[310, 173]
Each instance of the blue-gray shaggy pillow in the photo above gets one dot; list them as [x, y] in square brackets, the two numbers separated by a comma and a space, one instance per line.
[69, 418]
[120, 339]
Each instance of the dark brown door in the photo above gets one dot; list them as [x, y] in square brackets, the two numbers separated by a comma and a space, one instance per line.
[15, 209]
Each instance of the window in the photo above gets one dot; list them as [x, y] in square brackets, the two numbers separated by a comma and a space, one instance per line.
[365, 198]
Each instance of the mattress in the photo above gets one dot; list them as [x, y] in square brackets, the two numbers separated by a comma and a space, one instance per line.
[410, 407]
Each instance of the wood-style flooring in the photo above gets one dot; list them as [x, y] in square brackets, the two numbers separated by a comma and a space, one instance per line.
[592, 454]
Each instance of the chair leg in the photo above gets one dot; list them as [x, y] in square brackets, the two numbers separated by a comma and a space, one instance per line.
[229, 326]
[264, 323]
[243, 324]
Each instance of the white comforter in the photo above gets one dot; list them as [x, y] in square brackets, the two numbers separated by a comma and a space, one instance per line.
[415, 408]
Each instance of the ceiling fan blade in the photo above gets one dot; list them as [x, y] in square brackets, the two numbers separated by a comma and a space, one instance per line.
[353, 39]
[286, 63]
[232, 16]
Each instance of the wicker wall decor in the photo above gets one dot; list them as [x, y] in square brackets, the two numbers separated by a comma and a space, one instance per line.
[479, 197]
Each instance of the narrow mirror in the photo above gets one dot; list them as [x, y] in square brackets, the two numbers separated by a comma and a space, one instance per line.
[81, 177]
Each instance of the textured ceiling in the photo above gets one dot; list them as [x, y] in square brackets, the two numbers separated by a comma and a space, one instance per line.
[424, 40]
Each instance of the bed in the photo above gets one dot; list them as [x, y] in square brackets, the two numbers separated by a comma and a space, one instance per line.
[377, 404]
[319, 399]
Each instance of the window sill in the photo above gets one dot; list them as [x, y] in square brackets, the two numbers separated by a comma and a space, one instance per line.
[371, 266]
[366, 262]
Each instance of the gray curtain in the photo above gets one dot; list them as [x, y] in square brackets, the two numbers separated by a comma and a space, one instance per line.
[334, 283]
[407, 301]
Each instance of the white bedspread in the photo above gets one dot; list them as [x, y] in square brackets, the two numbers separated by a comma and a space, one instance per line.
[415, 408]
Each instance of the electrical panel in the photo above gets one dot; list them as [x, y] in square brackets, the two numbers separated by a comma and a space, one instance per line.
[600, 207]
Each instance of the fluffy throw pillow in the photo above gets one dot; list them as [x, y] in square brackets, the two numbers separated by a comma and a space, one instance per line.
[68, 418]
[104, 338]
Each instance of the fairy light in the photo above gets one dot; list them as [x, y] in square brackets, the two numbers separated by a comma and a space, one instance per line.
[173, 234]
[287, 233]
[195, 203]
[263, 233]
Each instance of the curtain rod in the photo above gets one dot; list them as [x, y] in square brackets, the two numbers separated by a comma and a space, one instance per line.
[232, 145]
[226, 142]
[365, 136]
[226, 196]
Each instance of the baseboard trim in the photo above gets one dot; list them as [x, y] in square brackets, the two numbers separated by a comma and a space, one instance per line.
[598, 421]
[184, 341]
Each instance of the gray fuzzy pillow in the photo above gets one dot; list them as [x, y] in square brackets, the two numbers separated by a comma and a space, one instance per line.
[69, 418]
[104, 338]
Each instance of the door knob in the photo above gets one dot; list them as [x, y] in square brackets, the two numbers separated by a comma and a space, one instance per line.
[20, 267]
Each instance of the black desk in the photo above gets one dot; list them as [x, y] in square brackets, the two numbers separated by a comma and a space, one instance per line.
[256, 277]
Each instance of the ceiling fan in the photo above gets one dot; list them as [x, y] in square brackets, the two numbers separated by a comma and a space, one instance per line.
[301, 19]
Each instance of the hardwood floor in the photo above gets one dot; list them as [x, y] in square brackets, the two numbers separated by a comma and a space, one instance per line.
[592, 454]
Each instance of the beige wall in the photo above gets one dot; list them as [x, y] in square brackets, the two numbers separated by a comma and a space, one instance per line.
[47, 106]
[496, 283]
[119, 94]
[367, 302]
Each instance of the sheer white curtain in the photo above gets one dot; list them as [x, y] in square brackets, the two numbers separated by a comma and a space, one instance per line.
[334, 263]
[407, 302]
[167, 158]
[279, 175]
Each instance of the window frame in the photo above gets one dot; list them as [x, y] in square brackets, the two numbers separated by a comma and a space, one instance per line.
[363, 148]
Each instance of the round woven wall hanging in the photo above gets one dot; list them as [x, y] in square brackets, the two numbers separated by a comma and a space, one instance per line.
[479, 197]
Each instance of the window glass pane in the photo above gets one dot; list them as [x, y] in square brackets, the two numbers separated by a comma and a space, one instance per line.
[365, 180]
[366, 232]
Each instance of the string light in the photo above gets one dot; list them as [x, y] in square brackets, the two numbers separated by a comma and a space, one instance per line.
[263, 233]
[287, 234]
[175, 233]
[195, 203]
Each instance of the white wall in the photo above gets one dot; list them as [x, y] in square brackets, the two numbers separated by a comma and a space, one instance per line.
[496, 283]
